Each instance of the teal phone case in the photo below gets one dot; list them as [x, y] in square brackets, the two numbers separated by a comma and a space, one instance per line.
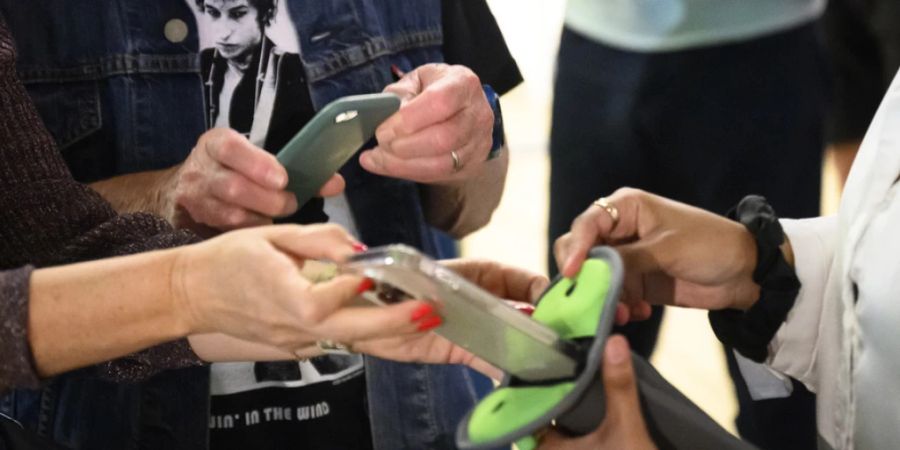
[331, 138]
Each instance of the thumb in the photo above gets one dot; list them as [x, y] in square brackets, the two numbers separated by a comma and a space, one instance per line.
[320, 241]
[622, 404]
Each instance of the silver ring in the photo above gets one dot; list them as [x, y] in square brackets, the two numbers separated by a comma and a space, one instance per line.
[457, 165]
[610, 209]
[333, 347]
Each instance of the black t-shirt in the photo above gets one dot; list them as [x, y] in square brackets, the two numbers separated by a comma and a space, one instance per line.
[472, 38]
[319, 404]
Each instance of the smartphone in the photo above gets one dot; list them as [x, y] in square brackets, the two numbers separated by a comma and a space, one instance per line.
[474, 319]
[331, 138]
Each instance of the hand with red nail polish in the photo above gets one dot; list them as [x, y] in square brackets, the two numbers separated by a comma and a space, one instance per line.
[521, 287]
[247, 284]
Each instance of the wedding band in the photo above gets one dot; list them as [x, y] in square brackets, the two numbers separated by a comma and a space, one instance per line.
[457, 165]
[610, 209]
[334, 348]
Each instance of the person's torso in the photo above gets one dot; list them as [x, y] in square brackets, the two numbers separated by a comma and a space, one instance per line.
[119, 84]
[859, 346]
[666, 25]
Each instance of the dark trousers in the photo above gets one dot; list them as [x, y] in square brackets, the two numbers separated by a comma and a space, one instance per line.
[705, 126]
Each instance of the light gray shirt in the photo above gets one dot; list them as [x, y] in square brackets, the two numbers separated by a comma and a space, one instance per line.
[665, 25]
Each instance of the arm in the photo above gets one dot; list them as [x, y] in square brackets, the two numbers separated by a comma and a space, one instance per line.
[225, 183]
[139, 192]
[85, 313]
[80, 314]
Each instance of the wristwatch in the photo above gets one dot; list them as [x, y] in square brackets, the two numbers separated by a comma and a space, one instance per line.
[499, 137]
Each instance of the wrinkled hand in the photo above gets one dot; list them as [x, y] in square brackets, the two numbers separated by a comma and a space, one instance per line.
[500, 280]
[623, 427]
[248, 284]
[674, 254]
[228, 183]
[443, 109]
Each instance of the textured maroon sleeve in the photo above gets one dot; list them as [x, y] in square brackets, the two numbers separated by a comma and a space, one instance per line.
[16, 363]
[46, 219]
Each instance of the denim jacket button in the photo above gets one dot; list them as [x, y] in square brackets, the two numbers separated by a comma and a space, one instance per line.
[176, 31]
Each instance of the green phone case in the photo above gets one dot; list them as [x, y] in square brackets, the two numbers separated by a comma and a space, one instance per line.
[581, 310]
[331, 138]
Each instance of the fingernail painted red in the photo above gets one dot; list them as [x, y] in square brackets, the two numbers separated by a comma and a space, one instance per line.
[359, 247]
[430, 323]
[366, 285]
[420, 312]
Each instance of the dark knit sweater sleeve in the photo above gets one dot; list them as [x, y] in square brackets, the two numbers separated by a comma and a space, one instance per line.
[16, 369]
[46, 219]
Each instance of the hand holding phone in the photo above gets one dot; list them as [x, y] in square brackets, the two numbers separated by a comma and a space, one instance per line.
[331, 138]
[474, 319]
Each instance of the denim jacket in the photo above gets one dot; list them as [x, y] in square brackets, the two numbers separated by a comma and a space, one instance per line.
[118, 84]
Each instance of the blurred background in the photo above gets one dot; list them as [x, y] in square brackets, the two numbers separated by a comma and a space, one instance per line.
[688, 354]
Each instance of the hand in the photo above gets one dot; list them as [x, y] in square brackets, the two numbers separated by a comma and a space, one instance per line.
[674, 254]
[503, 281]
[444, 110]
[623, 427]
[247, 284]
[228, 183]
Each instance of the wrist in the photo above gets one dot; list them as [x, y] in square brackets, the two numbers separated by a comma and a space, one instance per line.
[164, 192]
[749, 331]
[181, 293]
[747, 291]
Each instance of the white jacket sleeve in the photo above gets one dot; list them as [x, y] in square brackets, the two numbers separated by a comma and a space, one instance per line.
[793, 349]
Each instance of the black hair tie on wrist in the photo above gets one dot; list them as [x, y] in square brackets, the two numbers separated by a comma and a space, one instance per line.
[750, 331]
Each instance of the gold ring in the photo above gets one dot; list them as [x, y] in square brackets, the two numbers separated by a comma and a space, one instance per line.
[457, 165]
[610, 209]
[333, 347]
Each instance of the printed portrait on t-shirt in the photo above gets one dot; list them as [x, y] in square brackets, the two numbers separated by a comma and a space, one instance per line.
[254, 83]
[251, 68]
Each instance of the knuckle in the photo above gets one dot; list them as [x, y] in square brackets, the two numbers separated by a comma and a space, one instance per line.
[470, 78]
[231, 189]
[629, 193]
[235, 218]
[443, 141]
[442, 103]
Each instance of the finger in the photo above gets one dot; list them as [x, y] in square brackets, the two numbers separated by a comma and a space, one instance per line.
[622, 314]
[334, 186]
[501, 280]
[225, 217]
[351, 324]
[423, 170]
[234, 151]
[588, 229]
[622, 404]
[407, 87]
[640, 311]
[323, 241]
[235, 189]
[437, 139]
[443, 93]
